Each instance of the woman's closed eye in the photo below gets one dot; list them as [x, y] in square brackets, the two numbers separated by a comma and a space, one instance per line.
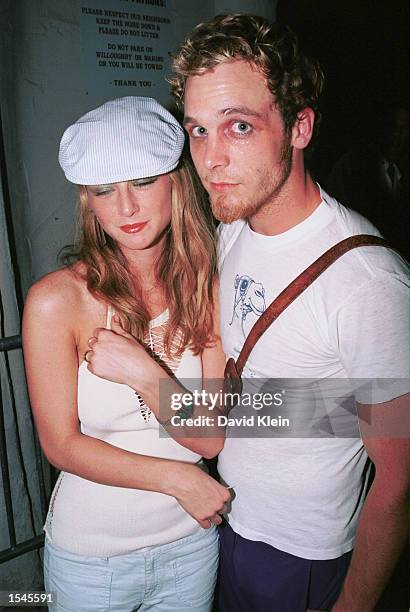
[144, 182]
[101, 190]
[104, 190]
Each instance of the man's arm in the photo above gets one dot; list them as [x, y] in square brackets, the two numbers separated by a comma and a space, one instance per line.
[382, 528]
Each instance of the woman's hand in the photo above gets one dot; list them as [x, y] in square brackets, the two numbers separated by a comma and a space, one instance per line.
[117, 356]
[199, 494]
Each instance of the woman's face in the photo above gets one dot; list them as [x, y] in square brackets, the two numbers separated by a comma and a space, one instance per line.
[134, 213]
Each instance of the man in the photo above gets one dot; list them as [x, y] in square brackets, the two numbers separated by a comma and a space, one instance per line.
[250, 102]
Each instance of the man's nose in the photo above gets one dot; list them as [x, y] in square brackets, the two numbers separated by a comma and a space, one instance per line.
[215, 153]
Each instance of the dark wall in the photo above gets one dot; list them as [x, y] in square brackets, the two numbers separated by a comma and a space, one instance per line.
[363, 47]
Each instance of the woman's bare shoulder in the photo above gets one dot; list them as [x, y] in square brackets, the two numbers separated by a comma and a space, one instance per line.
[64, 290]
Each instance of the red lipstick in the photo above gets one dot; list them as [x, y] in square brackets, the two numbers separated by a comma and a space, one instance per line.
[134, 228]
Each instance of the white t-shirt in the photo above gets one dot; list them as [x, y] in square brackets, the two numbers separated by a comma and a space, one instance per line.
[303, 495]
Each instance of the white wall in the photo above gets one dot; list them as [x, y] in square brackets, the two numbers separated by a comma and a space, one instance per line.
[44, 92]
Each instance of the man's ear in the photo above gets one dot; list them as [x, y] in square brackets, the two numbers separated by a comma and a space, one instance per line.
[302, 130]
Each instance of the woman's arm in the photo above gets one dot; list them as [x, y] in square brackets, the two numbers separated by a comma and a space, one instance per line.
[50, 339]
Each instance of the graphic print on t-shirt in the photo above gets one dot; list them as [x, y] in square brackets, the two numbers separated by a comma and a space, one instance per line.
[249, 302]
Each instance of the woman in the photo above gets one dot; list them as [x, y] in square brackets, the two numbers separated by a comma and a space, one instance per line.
[131, 519]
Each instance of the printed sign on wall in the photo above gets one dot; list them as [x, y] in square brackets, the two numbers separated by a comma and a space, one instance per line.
[125, 45]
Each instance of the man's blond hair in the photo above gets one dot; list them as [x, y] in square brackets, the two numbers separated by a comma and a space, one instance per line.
[294, 80]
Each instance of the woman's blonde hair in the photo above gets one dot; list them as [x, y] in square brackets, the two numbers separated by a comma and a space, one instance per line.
[185, 269]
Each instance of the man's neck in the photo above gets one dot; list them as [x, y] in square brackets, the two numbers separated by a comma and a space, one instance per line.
[293, 204]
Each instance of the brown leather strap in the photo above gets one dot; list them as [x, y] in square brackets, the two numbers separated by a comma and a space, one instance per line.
[293, 290]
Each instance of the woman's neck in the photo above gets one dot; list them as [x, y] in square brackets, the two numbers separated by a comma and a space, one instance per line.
[142, 266]
[142, 263]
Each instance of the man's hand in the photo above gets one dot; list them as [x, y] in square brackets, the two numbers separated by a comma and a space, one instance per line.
[199, 494]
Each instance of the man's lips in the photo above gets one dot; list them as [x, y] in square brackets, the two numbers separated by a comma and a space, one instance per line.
[134, 228]
[222, 186]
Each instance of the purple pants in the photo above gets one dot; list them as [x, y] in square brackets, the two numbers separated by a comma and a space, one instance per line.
[256, 577]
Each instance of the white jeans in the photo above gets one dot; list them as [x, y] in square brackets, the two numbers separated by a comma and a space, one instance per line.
[175, 577]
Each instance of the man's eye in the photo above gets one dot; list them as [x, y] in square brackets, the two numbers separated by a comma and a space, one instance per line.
[241, 127]
[198, 131]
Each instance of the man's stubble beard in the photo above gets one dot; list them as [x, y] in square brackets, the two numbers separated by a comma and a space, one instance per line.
[228, 209]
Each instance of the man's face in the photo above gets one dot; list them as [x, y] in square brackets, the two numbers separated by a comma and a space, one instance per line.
[237, 140]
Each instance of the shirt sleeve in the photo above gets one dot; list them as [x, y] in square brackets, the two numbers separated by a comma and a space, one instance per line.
[372, 336]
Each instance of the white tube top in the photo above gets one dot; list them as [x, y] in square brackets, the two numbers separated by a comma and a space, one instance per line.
[92, 519]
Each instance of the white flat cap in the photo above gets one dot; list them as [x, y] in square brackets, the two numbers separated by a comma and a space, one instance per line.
[124, 139]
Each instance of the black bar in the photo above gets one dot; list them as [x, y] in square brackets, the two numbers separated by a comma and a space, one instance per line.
[20, 549]
[15, 550]
[6, 475]
[10, 343]
[4, 182]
